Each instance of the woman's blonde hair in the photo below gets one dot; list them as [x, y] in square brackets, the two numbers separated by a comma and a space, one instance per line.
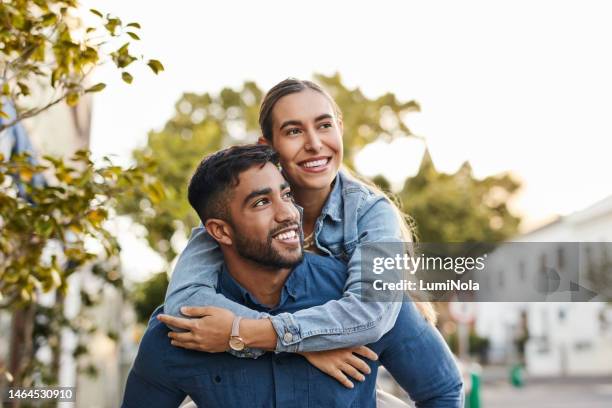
[409, 235]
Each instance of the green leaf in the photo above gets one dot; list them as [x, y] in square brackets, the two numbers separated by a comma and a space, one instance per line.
[97, 13]
[127, 77]
[134, 24]
[155, 66]
[134, 36]
[96, 88]
[25, 90]
[72, 99]
[49, 19]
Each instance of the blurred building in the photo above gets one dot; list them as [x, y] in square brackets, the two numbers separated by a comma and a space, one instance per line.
[556, 338]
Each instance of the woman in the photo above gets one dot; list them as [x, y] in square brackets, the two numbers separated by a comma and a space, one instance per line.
[340, 214]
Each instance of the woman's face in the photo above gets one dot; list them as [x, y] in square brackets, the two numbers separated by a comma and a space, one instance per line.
[308, 136]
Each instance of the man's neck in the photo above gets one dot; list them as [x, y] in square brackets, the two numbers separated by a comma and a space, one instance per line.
[265, 283]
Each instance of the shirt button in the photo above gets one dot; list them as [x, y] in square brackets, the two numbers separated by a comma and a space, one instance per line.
[288, 337]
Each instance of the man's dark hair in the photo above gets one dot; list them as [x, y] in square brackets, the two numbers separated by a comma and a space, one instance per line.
[209, 188]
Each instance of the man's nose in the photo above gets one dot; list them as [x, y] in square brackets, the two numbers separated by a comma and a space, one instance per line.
[287, 211]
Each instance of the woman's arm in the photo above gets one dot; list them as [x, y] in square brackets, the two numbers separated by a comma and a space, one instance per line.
[194, 282]
[349, 321]
[346, 322]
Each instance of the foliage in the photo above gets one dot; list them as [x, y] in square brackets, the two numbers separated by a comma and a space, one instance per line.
[46, 43]
[148, 295]
[458, 207]
[46, 234]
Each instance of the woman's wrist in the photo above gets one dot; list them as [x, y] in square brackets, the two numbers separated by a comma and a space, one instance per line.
[258, 333]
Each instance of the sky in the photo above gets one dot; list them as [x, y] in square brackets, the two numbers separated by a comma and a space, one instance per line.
[518, 86]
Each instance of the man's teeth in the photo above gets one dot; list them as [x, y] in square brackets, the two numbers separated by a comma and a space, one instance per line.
[287, 235]
[315, 163]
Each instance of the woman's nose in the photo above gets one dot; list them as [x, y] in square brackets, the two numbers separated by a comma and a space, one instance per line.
[313, 142]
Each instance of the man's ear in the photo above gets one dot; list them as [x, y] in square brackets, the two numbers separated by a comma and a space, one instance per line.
[263, 140]
[220, 230]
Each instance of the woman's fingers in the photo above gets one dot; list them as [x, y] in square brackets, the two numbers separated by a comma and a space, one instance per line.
[185, 344]
[366, 352]
[342, 379]
[186, 336]
[351, 371]
[359, 364]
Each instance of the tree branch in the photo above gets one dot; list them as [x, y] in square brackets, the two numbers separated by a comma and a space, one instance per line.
[31, 112]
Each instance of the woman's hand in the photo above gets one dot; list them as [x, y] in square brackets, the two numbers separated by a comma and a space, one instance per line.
[343, 362]
[210, 332]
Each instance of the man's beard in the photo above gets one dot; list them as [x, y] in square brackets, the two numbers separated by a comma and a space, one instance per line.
[264, 253]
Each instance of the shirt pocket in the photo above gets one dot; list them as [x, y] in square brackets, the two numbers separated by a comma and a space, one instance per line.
[221, 388]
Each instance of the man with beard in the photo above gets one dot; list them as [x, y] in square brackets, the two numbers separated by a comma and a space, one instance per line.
[246, 206]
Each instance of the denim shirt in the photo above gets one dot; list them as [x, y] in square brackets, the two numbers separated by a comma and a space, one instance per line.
[413, 352]
[352, 215]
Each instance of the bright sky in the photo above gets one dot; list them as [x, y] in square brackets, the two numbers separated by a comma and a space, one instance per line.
[522, 86]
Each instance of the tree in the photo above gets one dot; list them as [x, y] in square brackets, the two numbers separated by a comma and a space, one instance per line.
[45, 230]
[46, 234]
[45, 44]
[458, 207]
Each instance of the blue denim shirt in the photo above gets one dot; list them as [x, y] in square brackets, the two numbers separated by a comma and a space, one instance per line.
[351, 216]
[413, 352]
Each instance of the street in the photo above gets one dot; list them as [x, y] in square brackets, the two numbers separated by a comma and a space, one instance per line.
[558, 393]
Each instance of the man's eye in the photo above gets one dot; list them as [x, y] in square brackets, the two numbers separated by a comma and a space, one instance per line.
[261, 202]
[293, 131]
[288, 194]
[326, 125]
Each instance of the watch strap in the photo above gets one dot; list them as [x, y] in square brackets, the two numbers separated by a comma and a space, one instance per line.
[236, 327]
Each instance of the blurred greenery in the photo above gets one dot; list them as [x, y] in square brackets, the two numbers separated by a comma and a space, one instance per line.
[447, 207]
[458, 207]
[147, 295]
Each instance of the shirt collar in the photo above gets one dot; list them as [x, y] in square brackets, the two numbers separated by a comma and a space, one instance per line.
[293, 288]
[333, 205]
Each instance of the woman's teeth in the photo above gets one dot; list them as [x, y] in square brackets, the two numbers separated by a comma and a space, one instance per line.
[315, 163]
[286, 235]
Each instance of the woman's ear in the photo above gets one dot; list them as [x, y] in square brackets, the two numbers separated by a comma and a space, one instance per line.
[220, 230]
[340, 125]
[263, 140]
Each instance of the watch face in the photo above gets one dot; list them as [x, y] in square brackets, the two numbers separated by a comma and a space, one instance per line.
[236, 343]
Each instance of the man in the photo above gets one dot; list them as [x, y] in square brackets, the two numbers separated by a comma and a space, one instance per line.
[246, 205]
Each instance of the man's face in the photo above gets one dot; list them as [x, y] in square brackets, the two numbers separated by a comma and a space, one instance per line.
[265, 221]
